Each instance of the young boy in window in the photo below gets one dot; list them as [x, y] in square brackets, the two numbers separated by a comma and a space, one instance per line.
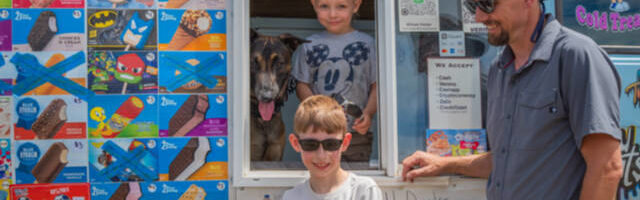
[320, 137]
[341, 61]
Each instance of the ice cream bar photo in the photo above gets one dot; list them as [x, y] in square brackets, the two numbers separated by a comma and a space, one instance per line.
[51, 164]
[191, 158]
[189, 116]
[137, 31]
[193, 24]
[51, 120]
[43, 30]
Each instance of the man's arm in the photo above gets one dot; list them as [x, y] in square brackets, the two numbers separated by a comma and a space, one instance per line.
[602, 154]
[433, 165]
[303, 90]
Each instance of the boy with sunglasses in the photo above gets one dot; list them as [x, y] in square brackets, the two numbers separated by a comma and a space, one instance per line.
[320, 137]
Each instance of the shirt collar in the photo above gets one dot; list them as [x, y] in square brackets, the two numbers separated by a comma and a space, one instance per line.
[542, 50]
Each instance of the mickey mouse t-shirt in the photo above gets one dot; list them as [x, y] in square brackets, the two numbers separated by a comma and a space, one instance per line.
[338, 64]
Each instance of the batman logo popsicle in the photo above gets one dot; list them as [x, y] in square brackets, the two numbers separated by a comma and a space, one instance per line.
[103, 19]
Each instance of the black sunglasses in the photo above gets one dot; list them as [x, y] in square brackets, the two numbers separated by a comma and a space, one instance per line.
[486, 6]
[313, 144]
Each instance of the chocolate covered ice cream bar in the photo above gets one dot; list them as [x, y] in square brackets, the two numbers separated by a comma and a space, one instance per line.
[43, 30]
[189, 115]
[190, 159]
[51, 120]
[121, 192]
[51, 163]
[127, 191]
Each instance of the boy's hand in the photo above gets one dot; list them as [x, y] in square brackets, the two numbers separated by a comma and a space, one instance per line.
[362, 124]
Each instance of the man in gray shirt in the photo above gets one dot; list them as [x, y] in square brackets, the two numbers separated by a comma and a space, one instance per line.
[552, 113]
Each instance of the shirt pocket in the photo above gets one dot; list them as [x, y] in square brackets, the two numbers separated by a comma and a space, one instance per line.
[537, 119]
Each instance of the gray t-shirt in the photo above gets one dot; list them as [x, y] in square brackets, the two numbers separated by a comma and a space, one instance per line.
[354, 188]
[338, 64]
[538, 115]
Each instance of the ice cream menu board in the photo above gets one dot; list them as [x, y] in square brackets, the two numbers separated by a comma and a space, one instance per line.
[454, 94]
[125, 96]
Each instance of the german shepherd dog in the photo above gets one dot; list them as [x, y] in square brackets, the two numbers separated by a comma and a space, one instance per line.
[270, 77]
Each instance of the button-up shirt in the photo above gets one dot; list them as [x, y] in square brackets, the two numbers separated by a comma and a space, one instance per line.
[538, 115]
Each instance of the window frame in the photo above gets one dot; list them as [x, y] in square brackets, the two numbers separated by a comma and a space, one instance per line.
[239, 115]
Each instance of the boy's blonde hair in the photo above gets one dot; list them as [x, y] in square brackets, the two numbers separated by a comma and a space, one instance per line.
[321, 113]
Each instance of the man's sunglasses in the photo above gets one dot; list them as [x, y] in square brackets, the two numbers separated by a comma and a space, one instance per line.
[486, 6]
[313, 144]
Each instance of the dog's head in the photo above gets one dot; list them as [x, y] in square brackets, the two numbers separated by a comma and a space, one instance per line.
[270, 64]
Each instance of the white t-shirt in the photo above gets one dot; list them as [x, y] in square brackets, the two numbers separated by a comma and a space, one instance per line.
[354, 188]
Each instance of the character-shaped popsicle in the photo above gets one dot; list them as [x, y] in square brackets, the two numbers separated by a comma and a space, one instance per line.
[137, 31]
[128, 111]
[129, 70]
[193, 24]
[43, 30]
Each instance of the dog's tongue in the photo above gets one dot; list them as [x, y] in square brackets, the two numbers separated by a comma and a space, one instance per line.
[266, 110]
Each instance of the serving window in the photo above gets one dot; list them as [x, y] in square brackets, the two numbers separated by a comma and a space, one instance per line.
[267, 18]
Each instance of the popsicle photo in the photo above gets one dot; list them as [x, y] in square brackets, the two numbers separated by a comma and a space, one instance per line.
[193, 72]
[123, 160]
[120, 72]
[123, 116]
[121, 30]
[193, 30]
[46, 73]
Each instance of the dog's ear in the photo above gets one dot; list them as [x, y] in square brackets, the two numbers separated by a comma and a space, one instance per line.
[254, 35]
[292, 41]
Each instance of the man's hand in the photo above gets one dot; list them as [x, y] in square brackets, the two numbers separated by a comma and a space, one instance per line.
[427, 165]
[362, 124]
[432, 165]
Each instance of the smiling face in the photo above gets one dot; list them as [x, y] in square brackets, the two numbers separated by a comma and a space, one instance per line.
[505, 20]
[336, 15]
[321, 163]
